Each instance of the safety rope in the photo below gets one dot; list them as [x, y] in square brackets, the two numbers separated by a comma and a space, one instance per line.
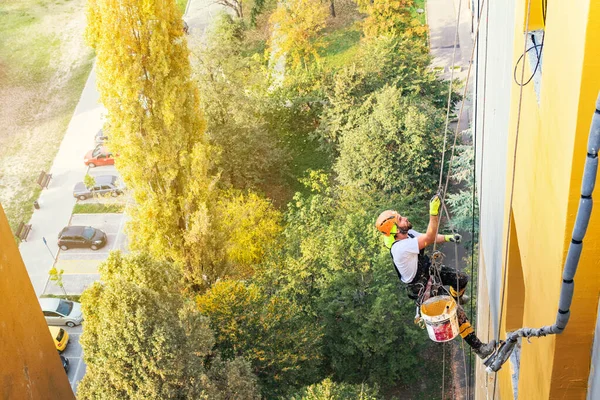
[512, 186]
[444, 191]
[456, 132]
[466, 85]
[443, 370]
[450, 93]
[443, 155]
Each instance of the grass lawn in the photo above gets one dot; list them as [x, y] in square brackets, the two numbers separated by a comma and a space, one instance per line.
[72, 297]
[420, 16]
[99, 208]
[341, 46]
[44, 64]
[182, 4]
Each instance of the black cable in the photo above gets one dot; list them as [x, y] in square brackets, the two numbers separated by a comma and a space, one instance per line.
[544, 10]
[537, 64]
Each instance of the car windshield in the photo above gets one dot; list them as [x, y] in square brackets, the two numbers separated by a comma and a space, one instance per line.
[88, 232]
[64, 307]
[97, 151]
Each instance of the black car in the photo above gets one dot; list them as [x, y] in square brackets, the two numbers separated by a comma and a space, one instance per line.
[65, 364]
[81, 236]
[100, 137]
[105, 184]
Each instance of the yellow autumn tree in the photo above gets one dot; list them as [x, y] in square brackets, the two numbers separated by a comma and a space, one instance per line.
[296, 25]
[390, 17]
[144, 78]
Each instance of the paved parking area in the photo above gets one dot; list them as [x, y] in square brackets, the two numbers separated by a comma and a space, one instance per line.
[74, 354]
[105, 170]
[80, 265]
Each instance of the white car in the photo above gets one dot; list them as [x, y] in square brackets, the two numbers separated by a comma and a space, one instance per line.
[61, 312]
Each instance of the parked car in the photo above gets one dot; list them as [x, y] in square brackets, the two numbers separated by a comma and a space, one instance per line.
[81, 236]
[100, 137]
[60, 337]
[65, 364]
[105, 184]
[99, 156]
[61, 312]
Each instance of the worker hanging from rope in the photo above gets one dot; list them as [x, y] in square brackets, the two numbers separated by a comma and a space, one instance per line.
[413, 266]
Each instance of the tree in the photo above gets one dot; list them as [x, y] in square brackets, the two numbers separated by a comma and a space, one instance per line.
[329, 390]
[236, 5]
[89, 181]
[388, 61]
[298, 24]
[144, 78]
[56, 276]
[234, 102]
[394, 146]
[334, 266]
[144, 340]
[247, 226]
[269, 331]
[385, 17]
[461, 203]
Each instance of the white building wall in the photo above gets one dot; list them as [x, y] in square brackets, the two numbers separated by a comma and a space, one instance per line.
[492, 88]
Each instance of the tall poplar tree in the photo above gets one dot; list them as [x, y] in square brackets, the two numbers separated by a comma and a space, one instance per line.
[156, 127]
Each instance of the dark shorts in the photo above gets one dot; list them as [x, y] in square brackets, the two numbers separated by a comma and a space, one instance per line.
[449, 277]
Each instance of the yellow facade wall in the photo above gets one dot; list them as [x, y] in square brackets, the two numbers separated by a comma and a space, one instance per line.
[573, 347]
[30, 367]
[550, 155]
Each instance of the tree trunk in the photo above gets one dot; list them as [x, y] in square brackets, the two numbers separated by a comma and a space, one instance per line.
[332, 8]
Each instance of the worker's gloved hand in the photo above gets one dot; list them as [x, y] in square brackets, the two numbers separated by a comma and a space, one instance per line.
[434, 205]
[455, 238]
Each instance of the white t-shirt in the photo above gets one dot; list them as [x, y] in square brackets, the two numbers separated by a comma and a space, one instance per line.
[406, 256]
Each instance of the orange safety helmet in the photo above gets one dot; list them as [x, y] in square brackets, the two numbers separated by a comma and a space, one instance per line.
[387, 221]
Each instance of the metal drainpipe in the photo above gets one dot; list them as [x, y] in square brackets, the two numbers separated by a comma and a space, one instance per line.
[495, 362]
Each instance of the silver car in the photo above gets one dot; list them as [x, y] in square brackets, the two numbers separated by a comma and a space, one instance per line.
[100, 137]
[61, 312]
[105, 184]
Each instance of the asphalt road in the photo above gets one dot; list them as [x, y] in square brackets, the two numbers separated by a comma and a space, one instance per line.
[74, 354]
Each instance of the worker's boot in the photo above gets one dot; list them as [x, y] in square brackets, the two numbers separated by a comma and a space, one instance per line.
[460, 297]
[485, 350]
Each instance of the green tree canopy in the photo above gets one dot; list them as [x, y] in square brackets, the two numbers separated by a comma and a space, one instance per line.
[394, 147]
[269, 331]
[333, 264]
[144, 340]
[234, 99]
[329, 390]
[297, 24]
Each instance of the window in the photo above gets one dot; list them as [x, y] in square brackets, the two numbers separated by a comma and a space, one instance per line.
[64, 307]
[50, 314]
[88, 232]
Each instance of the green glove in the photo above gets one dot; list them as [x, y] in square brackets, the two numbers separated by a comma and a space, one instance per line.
[455, 238]
[434, 205]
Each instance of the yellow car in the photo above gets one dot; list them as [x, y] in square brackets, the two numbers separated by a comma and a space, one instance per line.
[60, 337]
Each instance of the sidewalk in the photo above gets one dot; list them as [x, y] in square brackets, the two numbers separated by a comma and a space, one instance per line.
[56, 202]
[441, 18]
[199, 14]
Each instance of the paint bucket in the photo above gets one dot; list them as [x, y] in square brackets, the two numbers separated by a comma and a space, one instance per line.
[439, 314]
